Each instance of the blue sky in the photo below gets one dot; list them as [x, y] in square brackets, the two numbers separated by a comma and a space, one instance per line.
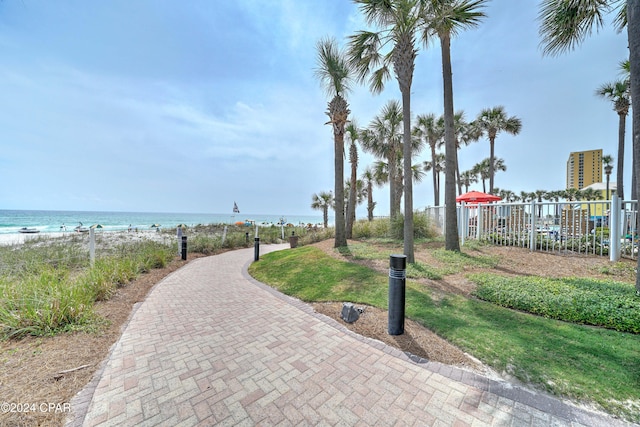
[158, 105]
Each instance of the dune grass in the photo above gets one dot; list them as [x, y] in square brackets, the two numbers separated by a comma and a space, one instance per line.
[583, 363]
[50, 287]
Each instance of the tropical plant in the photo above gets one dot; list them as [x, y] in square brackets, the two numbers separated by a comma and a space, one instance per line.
[352, 134]
[432, 131]
[436, 166]
[369, 178]
[323, 201]
[492, 121]
[445, 19]
[335, 75]
[618, 93]
[383, 139]
[483, 170]
[607, 161]
[467, 178]
[398, 22]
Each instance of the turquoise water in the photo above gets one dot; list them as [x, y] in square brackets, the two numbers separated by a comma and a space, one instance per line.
[51, 221]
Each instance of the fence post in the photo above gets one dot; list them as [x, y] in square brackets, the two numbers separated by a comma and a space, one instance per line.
[479, 222]
[92, 246]
[614, 229]
[463, 223]
[532, 227]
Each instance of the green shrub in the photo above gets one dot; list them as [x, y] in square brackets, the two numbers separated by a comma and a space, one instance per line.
[609, 304]
[423, 228]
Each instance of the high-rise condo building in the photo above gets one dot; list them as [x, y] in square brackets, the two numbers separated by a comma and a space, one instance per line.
[584, 168]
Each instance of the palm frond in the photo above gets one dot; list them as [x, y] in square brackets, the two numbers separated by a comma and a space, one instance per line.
[567, 23]
[333, 70]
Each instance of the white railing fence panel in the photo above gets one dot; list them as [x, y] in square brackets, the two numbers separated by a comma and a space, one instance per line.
[596, 227]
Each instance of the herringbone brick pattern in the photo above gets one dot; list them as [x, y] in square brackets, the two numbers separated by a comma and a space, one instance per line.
[211, 347]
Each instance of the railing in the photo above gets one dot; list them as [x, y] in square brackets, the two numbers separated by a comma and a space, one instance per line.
[577, 227]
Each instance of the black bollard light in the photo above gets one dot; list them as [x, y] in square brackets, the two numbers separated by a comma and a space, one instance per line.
[184, 248]
[397, 284]
[256, 248]
[246, 237]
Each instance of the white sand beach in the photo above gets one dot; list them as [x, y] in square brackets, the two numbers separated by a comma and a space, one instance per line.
[18, 238]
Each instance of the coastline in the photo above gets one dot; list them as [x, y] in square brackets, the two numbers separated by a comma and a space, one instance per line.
[9, 239]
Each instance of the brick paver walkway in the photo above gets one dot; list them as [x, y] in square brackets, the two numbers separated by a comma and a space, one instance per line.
[211, 346]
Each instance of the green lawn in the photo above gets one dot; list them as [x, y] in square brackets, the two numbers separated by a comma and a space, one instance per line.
[585, 363]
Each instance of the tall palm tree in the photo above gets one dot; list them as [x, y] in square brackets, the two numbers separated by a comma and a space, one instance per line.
[431, 130]
[399, 23]
[564, 25]
[335, 75]
[492, 121]
[352, 134]
[323, 201]
[445, 19]
[369, 178]
[618, 93]
[383, 138]
[625, 72]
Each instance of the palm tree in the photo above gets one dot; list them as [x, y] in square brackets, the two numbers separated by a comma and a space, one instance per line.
[437, 166]
[467, 178]
[369, 178]
[399, 22]
[618, 93]
[445, 19]
[466, 133]
[607, 160]
[431, 130]
[360, 192]
[492, 121]
[382, 138]
[334, 73]
[564, 25]
[540, 194]
[352, 133]
[323, 202]
[482, 170]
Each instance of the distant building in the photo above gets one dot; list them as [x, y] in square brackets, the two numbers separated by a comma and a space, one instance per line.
[584, 168]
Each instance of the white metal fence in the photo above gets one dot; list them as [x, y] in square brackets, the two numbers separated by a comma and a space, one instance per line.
[577, 227]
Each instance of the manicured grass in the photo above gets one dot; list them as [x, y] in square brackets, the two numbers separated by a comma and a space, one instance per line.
[583, 363]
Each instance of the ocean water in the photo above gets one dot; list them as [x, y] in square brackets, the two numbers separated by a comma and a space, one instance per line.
[53, 221]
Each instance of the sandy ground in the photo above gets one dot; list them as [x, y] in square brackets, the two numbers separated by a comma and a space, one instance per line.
[20, 238]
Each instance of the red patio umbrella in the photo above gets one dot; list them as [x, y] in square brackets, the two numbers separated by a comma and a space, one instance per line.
[477, 197]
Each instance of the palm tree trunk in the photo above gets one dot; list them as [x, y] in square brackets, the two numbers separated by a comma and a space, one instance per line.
[341, 239]
[633, 31]
[436, 194]
[407, 172]
[451, 227]
[392, 181]
[458, 173]
[620, 172]
[370, 201]
[351, 213]
[491, 162]
[325, 216]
